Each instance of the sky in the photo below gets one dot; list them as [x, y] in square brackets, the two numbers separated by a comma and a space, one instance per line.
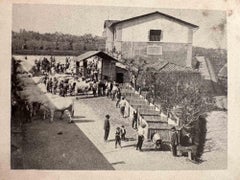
[79, 20]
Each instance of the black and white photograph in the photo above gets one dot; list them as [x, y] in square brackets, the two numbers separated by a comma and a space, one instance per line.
[118, 88]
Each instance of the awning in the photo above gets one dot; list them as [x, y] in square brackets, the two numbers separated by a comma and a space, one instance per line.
[121, 65]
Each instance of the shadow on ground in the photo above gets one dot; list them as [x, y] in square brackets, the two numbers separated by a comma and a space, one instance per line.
[83, 121]
[119, 162]
[59, 145]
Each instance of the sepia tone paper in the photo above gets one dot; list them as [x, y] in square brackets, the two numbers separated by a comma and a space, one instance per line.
[232, 9]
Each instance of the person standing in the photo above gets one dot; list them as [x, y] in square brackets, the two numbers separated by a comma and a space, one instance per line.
[134, 120]
[61, 88]
[106, 127]
[94, 88]
[141, 133]
[118, 137]
[118, 97]
[114, 91]
[55, 85]
[123, 133]
[174, 141]
[122, 105]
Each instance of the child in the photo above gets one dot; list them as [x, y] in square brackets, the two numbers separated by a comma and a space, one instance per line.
[123, 133]
[118, 137]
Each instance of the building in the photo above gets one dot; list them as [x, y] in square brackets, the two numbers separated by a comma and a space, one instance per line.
[151, 36]
[105, 66]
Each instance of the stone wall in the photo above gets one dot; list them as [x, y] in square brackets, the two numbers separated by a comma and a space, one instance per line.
[173, 52]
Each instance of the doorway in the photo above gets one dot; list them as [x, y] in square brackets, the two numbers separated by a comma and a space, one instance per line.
[120, 78]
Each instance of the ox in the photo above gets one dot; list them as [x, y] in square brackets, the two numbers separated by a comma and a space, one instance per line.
[59, 105]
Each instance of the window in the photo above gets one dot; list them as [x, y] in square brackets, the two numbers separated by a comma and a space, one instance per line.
[155, 35]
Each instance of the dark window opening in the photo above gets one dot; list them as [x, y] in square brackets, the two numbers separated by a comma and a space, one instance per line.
[155, 35]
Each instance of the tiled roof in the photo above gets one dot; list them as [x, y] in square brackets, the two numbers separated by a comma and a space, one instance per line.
[162, 66]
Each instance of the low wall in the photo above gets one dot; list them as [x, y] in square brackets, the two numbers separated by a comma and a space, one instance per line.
[129, 111]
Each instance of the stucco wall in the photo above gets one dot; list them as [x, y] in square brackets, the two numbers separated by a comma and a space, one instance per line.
[173, 52]
[138, 30]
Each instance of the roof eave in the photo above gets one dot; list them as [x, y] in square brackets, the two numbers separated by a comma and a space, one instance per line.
[193, 26]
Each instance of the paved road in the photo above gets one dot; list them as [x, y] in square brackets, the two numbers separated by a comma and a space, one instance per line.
[60, 146]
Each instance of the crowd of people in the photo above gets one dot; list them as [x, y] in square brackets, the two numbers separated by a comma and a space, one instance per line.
[66, 86]
[89, 73]
[50, 65]
[63, 87]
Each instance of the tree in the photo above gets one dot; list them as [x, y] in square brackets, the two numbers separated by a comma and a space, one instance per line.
[136, 67]
[55, 41]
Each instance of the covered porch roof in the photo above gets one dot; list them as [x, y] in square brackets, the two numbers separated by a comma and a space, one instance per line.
[90, 54]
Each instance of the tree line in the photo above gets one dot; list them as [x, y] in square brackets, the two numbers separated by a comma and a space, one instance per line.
[35, 42]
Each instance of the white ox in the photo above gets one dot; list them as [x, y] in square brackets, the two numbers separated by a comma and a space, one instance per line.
[81, 86]
[59, 104]
[36, 95]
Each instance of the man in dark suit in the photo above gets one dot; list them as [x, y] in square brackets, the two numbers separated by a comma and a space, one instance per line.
[106, 127]
[174, 141]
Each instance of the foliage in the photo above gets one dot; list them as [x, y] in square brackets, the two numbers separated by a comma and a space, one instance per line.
[136, 67]
[34, 41]
[178, 90]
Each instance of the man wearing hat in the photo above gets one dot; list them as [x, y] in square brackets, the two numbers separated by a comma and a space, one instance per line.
[174, 141]
[141, 133]
[106, 127]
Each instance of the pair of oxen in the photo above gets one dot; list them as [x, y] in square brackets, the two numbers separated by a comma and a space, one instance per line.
[38, 99]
